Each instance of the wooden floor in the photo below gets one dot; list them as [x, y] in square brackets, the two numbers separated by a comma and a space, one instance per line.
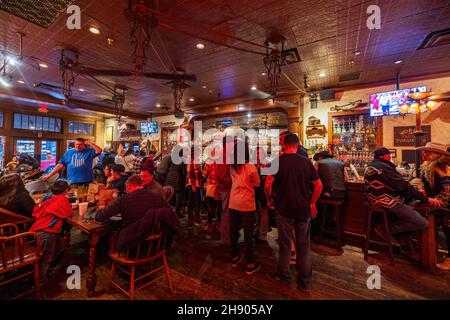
[200, 269]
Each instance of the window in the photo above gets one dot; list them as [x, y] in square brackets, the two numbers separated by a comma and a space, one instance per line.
[39, 123]
[1, 119]
[81, 128]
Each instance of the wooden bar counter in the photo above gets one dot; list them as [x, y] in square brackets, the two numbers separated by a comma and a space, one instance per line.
[354, 212]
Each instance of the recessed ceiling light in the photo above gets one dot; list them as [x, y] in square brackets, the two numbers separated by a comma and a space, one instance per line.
[43, 65]
[94, 30]
[253, 87]
[398, 61]
[191, 99]
[210, 91]
[322, 74]
[81, 90]
[200, 46]
[158, 105]
[204, 87]
[249, 115]
[20, 81]
[356, 52]
[263, 73]
[216, 108]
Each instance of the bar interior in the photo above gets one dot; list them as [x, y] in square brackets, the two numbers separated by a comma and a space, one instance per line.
[187, 150]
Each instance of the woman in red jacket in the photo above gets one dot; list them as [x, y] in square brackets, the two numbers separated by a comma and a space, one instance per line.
[49, 216]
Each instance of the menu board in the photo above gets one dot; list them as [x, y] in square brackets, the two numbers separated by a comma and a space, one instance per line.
[404, 136]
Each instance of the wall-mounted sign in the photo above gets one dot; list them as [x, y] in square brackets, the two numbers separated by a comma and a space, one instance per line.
[404, 136]
[131, 135]
[224, 123]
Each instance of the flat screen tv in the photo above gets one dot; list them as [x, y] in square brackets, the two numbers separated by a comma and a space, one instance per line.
[149, 127]
[387, 103]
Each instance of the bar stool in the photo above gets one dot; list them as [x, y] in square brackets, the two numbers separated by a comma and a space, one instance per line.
[371, 211]
[337, 211]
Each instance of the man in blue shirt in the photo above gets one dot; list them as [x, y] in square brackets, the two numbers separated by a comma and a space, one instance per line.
[78, 162]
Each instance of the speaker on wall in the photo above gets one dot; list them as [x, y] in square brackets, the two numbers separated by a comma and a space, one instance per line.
[327, 94]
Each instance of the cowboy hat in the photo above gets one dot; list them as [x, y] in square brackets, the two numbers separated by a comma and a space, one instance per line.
[435, 147]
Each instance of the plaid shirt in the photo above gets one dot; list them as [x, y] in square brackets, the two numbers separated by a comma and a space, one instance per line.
[194, 175]
[137, 165]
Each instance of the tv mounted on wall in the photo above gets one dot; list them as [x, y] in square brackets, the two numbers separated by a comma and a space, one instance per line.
[149, 127]
[387, 103]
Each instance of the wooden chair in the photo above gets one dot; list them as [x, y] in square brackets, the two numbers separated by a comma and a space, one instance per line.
[147, 253]
[18, 251]
[337, 212]
[169, 191]
[371, 212]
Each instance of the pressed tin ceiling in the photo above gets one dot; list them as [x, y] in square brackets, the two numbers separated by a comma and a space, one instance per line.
[325, 33]
[42, 13]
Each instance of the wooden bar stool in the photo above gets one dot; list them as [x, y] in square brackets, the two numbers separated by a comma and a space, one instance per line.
[337, 212]
[371, 211]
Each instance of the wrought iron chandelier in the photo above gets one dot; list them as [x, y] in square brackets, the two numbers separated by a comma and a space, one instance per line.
[273, 61]
[66, 72]
[178, 88]
[142, 24]
[118, 99]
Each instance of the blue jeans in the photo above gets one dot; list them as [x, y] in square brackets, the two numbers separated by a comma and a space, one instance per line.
[301, 228]
[52, 245]
[408, 219]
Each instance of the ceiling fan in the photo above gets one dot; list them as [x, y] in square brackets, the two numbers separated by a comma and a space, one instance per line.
[70, 68]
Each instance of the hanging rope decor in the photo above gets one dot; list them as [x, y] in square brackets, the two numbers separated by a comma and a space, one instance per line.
[141, 25]
[273, 61]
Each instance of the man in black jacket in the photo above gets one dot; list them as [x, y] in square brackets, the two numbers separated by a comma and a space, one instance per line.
[134, 204]
[386, 188]
[332, 175]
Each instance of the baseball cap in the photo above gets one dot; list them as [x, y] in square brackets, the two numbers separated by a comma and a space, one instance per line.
[381, 152]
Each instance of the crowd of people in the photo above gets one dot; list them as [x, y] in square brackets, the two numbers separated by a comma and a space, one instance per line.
[236, 196]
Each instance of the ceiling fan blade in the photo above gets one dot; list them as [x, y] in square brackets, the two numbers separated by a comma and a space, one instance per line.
[51, 93]
[259, 94]
[171, 76]
[101, 72]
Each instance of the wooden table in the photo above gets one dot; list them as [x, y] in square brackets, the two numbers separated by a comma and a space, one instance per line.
[94, 232]
[7, 216]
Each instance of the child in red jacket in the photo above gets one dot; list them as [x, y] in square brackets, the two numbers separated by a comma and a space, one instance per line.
[49, 216]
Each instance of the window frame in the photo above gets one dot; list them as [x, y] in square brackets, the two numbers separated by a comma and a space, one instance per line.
[23, 121]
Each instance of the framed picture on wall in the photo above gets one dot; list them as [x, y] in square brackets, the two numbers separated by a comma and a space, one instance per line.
[314, 132]
[109, 134]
